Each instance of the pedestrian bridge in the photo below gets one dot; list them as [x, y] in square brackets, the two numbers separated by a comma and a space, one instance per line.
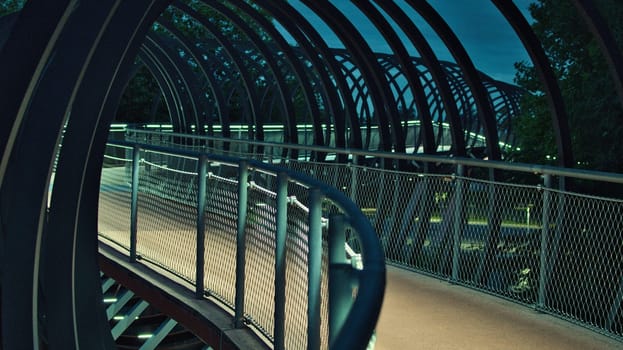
[150, 215]
[216, 236]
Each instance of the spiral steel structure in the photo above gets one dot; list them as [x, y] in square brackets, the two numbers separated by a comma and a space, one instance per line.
[65, 64]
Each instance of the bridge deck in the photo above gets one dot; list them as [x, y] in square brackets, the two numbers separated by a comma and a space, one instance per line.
[421, 312]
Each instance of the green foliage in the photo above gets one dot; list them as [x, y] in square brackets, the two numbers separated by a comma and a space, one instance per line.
[595, 114]
[142, 92]
[141, 100]
[10, 6]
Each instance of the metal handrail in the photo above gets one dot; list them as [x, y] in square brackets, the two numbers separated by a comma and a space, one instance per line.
[351, 320]
[416, 157]
[464, 229]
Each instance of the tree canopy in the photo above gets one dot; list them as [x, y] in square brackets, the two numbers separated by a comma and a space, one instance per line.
[595, 114]
[10, 6]
[142, 100]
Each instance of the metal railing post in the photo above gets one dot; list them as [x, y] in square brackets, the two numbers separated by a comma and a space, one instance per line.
[314, 269]
[202, 169]
[340, 294]
[243, 191]
[354, 184]
[280, 260]
[136, 160]
[543, 275]
[458, 218]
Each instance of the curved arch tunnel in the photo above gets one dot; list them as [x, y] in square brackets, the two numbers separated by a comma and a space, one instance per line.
[65, 64]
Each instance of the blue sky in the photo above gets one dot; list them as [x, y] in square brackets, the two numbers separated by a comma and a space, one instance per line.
[487, 37]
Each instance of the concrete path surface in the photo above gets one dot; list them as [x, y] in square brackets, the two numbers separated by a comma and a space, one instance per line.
[421, 312]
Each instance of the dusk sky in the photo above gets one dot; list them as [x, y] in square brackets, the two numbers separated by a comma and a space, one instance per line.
[488, 38]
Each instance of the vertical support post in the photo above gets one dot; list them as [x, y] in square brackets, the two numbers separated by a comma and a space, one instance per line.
[202, 169]
[353, 178]
[136, 160]
[543, 275]
[560, 228]
[314, 269]
[340, 293]
[280, 260]
[458, 217]
[243, 191]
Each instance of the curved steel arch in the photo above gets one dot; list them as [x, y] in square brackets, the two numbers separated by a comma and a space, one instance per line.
[544, 70]
[381, 99]
[404, 61]
[459, 53]
[92, 43]
[166, 89]
[605, 38]
[438, 76]
[214, 89]
[296, 64]
[316, 51]
[257, 129]
[170, 72]
[95, 45]
[290, 136]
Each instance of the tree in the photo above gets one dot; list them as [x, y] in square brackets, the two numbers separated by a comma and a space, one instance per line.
[595, 114]
[582, 283]
[142, 99]
[10, 6]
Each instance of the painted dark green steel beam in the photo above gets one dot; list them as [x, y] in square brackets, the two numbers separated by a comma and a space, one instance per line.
[159, 334]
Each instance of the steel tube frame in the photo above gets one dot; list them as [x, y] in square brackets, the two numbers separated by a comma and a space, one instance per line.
[366, 306]
[202, 174]
[314, 269]
[243, 194]
[280, 260]
[340, 291]
[81, 91]
[254, 104]
[545, 235]
[544, 70]
[424, 158]
[458, 221]
[208, 73]
[136, 161]
[306, 35]
[382, 99]
[299, 70]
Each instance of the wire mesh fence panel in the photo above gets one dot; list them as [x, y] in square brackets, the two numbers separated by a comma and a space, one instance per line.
[167, 213]
[166, 192]
[585, 275]
[115, 195]
[492, 236]
[296, 277]
[500, 228]
[221, 230]
[260, 259]
[501, 236]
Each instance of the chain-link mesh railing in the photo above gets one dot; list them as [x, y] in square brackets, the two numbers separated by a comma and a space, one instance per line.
[253, 236]
[115, 195]
[557, 251]
[492, 236]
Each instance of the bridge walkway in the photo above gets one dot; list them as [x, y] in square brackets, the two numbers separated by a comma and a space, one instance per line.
[421, 312]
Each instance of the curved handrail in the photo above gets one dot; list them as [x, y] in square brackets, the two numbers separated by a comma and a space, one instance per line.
[357, 325]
